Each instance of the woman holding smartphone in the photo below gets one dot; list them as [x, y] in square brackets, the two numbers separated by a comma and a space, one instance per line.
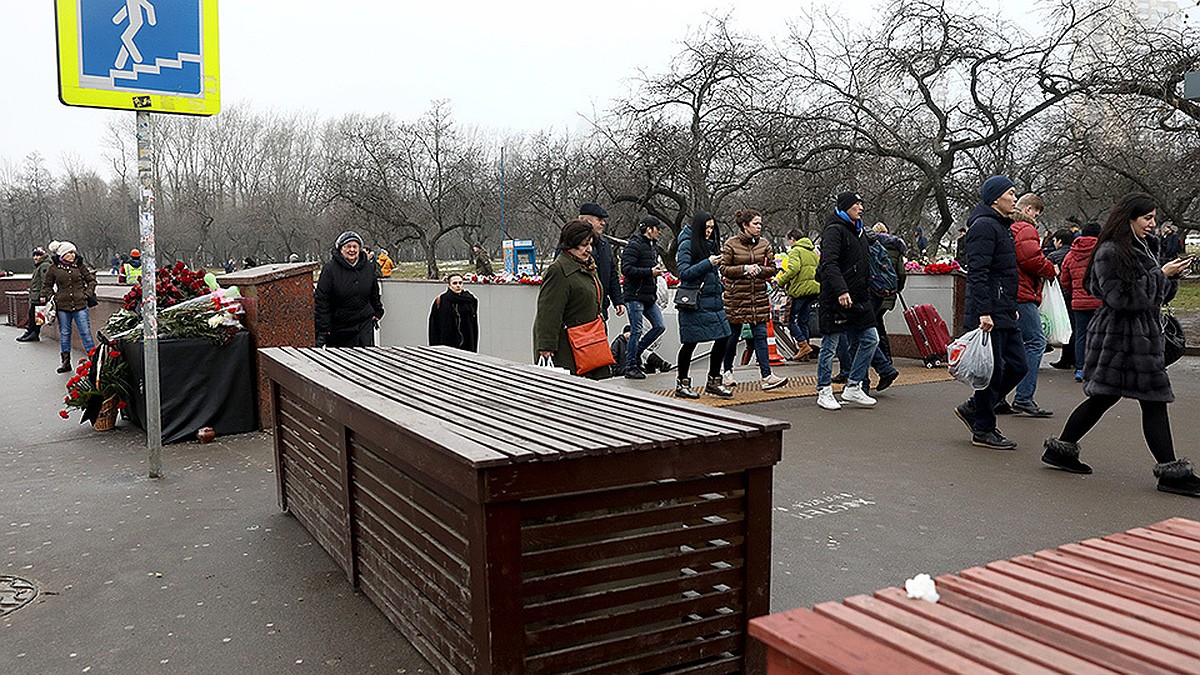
[1124, 357]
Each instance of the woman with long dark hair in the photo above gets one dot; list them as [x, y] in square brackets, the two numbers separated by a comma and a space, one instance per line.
[1124, 357]
[697, 262]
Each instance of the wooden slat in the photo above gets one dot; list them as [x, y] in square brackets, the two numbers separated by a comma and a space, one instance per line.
[630, 495]
[830, 647]
[534, 537]
[995, 635]
[664, 658]
[1102, 570]
[1141, 556]
[616, 547]
[643, 642]
[1132, 602]
[1160, 544]
[696, 559]
[1180, 527]
[1083, 647]
[629, 594]
[1118, 639]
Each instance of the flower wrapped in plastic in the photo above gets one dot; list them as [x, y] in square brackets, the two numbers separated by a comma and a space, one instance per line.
[216, 316]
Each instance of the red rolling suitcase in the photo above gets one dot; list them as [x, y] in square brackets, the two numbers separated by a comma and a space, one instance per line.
[929, 331]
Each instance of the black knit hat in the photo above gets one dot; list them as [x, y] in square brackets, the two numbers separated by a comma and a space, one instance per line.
[347, 236]
[847, 199]
[993, 188]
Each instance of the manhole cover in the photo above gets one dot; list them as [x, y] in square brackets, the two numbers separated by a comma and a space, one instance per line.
[15, 593]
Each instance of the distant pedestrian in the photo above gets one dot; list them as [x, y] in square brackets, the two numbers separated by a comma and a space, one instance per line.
[41, 265]
[1083, 304]
[454, 317]
[747, 263]
[640, 265]
[1063, 238]
[70, 283]
[991, 305]
[697, 261]
[114, 264]
[347, 300]
[606, 262]
[131, 272]
[922, 242]
[483, 263]
[249, 262]
[229, 266]
[800, 283]
[385, 264]
[1125, 349]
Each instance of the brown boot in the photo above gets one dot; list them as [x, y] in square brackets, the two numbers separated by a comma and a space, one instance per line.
[803, 352]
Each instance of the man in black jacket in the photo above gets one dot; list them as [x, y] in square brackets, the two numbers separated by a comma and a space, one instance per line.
[639, 263]
[845, 306]
[606, 263]
[991, 305]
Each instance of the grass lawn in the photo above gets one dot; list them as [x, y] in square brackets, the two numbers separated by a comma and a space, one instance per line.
[1188, 297]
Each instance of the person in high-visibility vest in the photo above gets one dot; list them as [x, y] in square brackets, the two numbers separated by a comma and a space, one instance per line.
[133, 269]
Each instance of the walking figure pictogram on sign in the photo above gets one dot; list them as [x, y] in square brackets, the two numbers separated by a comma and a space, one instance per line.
[133, 12]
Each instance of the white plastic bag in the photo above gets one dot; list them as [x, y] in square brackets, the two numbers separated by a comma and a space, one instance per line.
[547, 363]
[971, 360]
[45, 314]
[1056, 320]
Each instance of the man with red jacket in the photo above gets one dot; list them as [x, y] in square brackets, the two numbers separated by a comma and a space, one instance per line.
[1032, 269]
[1083, 304]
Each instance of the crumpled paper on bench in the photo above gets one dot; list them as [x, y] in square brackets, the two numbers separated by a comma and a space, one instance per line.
[922, 587]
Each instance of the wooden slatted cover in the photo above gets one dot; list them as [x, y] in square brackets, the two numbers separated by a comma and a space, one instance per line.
[1127, 602]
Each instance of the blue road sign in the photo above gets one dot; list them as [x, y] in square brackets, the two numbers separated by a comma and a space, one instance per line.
[156, 48]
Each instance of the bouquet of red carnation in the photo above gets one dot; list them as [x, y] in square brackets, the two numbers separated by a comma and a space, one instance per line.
[172, 286]
[101, 375]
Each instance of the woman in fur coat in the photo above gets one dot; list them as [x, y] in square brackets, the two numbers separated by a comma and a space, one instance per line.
[1124, 357]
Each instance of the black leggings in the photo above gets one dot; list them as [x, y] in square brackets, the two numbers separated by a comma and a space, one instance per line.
[714, 359]
[1156, 427]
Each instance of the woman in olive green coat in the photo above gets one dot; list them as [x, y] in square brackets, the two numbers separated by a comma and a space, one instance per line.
[569, 296]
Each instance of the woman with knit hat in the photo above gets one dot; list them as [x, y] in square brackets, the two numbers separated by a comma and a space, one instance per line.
[348, 300]
[70, 283]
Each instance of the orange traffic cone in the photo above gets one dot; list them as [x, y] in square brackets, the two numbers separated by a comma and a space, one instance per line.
[774, 358]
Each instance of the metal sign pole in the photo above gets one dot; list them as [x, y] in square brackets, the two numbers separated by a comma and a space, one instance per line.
[149, 299]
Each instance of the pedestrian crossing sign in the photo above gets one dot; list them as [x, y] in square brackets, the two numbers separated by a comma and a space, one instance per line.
[156, 55]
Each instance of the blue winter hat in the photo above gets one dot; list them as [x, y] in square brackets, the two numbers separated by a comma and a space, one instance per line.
[993, 188]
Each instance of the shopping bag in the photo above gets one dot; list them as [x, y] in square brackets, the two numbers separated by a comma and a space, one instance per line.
[547, 363]
[44, 314]
[1056, 320]
[971, 360]
[589, 344]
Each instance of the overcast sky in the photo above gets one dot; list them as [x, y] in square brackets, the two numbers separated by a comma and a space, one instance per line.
[522, 66]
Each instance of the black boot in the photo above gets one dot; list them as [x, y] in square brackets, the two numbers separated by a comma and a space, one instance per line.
[1064, 455]
[66, 363]
[717, 388]
[1178, 477]
[31, 335]
[683, 388]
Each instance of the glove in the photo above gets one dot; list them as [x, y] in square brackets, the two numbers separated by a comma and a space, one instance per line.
[322, 338]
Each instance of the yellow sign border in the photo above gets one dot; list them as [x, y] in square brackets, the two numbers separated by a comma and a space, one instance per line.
[71, 93]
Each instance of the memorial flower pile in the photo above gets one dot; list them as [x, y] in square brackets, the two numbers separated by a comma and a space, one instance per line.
[102, 374]
[946, 266]
[215, 315]
[172, 286]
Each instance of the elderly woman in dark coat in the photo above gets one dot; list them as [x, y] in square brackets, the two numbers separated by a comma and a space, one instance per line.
[1124, 357]
[697, 263]
[348, 302]
[570, 295]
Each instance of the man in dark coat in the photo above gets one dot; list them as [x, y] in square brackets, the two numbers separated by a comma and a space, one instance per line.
[41, 264]
[348, 304]
[845, 302]
[454, 317]
[606, 263]
[991, 305]
[639, 263]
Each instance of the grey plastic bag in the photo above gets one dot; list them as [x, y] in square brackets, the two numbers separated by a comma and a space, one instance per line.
[971, 360]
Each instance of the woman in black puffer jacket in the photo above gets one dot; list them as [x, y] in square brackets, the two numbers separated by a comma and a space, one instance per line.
[348, 302]
[1125, 350]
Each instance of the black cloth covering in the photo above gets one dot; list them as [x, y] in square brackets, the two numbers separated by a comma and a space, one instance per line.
[202, 384]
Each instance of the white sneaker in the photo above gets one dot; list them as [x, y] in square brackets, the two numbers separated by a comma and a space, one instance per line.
[826, 400]
[772, 381]
[728, 379]
[853, 393]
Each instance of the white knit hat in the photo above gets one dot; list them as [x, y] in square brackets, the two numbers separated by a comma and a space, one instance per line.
[65, 247]
[54, 247]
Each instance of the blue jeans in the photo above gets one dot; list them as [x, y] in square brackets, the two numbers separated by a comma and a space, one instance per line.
[799, 316]
[879, 360]
[759, 331]
[862, 343]
[1081, 318]
[82, 321]
[637, 310]
[1035, 348]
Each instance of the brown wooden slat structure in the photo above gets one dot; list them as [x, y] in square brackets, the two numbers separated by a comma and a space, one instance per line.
[511, 519]
[1125, 603]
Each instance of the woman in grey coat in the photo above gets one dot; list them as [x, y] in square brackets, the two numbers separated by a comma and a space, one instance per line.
[1124, 356]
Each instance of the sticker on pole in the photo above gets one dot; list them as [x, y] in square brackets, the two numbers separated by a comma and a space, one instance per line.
[156, 55]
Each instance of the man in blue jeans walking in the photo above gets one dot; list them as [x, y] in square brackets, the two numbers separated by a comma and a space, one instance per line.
[639, 264]
[1033, 268]
[845, 302]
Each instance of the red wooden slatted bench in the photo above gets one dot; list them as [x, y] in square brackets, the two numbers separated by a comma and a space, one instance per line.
[1128, 602]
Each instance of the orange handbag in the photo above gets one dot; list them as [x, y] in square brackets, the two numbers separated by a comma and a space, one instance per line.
[589, 343]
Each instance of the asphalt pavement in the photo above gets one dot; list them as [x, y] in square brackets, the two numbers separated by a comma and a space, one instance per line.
[199, 571]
